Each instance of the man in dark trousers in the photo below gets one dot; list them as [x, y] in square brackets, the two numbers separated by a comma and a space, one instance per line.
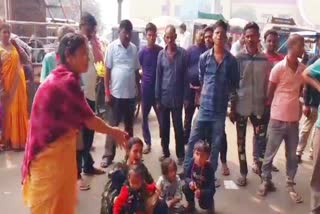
[170, 87]
[193, 54]
[148, 57]
[121, 81]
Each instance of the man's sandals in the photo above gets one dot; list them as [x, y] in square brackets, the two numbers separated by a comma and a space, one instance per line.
[293, 194]
[266, 187]
[241, 181]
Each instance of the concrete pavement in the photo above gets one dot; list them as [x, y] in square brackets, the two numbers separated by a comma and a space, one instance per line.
[228, 201]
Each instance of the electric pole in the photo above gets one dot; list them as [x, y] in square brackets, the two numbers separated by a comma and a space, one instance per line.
[119, 10]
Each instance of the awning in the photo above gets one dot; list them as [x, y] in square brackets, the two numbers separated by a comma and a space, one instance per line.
[213, 16]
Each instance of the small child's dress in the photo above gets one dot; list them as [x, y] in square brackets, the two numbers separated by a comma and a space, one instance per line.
[170, 190]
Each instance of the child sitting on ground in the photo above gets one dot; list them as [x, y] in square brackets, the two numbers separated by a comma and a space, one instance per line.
[133, 157]
[134, 193]
[118, 176]
[170, 186]
[199, 181]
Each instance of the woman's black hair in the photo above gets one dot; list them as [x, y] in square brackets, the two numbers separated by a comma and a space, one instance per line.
[165, 164]
[133, 141]
[69, 44]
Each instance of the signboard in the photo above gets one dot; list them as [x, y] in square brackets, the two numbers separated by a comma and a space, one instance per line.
[282, 21]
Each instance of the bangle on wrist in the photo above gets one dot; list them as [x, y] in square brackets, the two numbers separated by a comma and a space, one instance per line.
[107, 92]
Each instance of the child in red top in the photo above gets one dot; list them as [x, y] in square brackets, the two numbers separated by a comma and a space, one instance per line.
[134, 193]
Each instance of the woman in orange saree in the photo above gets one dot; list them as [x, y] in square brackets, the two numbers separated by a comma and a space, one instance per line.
[58, 112]
[14, 101]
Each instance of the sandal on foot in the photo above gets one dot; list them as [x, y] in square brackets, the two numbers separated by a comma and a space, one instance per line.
[105, 163]
[83, 185]
[225, 171]
[263, 190]
[271, 187]
[147, 150]
[274, 169]
[256, 168]
[295, 197]
[241, 181]
[292, 193]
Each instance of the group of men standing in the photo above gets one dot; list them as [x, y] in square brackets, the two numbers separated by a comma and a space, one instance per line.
[262, 87]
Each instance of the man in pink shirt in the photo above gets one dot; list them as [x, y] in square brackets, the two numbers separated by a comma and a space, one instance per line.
[285, 85]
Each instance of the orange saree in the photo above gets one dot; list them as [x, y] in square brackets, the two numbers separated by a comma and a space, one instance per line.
[15, 119]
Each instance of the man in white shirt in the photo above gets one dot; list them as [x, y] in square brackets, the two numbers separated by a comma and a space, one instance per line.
[238, 46]
[185, 40]
[121, 85]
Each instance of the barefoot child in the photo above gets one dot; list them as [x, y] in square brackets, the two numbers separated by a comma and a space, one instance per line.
[170, 186]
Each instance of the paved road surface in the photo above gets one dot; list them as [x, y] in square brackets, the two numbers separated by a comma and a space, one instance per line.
[228, 201]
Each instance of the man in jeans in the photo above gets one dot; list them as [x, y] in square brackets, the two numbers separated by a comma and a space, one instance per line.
[285, 85]
[254, 72]
[171, 82]
[121, 81]
[312, 77]
[219, 77]
[148, 57]
[271, 40]
[311, 98]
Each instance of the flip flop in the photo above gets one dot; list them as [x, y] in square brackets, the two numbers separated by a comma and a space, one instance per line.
[274, 169]
[225, 171]
[295, 197]
[241, 181]
[105, 163]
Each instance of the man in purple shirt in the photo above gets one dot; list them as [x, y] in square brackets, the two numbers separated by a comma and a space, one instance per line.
[148, 57]
[193, 54]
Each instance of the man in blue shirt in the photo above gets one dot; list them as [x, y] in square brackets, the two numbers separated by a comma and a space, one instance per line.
[171, 82]
[148, 57]
[219, 77]
[121, 81]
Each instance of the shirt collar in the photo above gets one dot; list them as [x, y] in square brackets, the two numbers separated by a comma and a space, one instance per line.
[178, 50]
[118, 43]
[245, 50]
[226, 53]
[300, 65]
